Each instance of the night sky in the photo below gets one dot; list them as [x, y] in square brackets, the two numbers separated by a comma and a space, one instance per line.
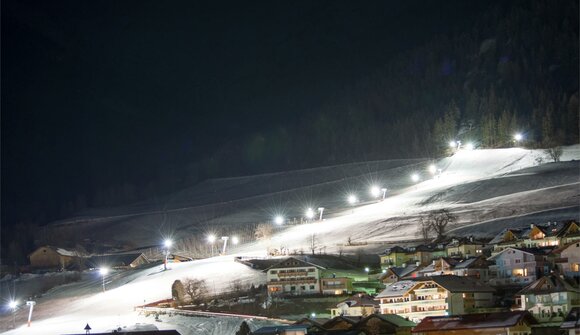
[97, 93]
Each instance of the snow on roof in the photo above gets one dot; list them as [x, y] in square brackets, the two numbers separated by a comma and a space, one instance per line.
[397, 289]
[65, 252]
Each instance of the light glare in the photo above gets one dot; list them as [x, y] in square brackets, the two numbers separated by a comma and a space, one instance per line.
[211, 238]
[469, 146]
[432, 169]
[415, 177]
[279, 220]
[103, 271]
[518, 137]
[375, 191]
[352, 199]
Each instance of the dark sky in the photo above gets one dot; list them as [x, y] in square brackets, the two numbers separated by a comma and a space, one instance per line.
[99, 92]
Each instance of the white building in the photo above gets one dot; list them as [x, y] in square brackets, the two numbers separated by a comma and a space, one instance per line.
[293, 276]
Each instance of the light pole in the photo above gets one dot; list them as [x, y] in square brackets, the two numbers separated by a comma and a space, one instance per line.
[225, 239]
[168, 243]
[384, 190]
[321, 210]
[211, 240]
[31, 304]
[13, 304]
[103, 272]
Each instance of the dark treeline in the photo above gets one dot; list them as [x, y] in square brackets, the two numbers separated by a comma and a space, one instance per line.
[514, 70]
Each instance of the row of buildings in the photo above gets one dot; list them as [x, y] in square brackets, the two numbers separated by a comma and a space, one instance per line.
[534, 270]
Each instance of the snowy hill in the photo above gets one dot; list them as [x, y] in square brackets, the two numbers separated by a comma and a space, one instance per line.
[486, 189]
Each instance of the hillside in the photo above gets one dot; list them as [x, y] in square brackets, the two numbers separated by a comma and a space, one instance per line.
[486, 189]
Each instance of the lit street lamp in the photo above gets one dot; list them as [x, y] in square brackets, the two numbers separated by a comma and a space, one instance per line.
[375, 191]
[469, 146]
[309, 214]
[352, 199]
[415, 177]
[167, 245]
[320, 209]
[235, 240]
[279, 220]
[103, 272]
[211, 240]
[518, 137]
[30, 303]
[433, 169]
[13, 304]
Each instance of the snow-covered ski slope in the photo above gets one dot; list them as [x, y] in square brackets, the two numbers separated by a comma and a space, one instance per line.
[486, 189]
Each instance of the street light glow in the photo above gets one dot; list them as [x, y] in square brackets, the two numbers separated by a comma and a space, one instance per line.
[415, 177]
[352, 199]
[432, 169]
[279, 220]
[452, 144]
[211, 238]
[375, 191]
[168, 243]
[235, 240]
[518, 137]
[309, 213]
[12, 304]
[103, 271]
[469, 146]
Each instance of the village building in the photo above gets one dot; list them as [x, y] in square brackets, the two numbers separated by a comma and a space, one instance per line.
[117, 261]
[567, 260]
[48, 257]
[433, 296]
[504, 323]
[477, 268]
[537, 236]
[281, 330]
[395, 274]
[549, 299]
[519, 266]
[385, 324]
[425, 253]
[357, 305]
[465, 248]
[343, 323]
[302, 275]
[395, 257]
[312, 326]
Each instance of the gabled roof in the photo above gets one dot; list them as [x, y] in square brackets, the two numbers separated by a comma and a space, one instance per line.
[60, 251]
[548, 284]
[358, 300]
[400, 271]
[114, 259]
[469, 263]
[499, 238]
[292, 262]
[532, 251]
[311, 323]
[459, 284]
[395, 249]
[397, 289]
[352, 321]
[474, 321]
[564, 247]
[273, 330]
[396, 320]
[463, 241]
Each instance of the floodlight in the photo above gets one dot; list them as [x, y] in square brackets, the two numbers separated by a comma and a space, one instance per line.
[279, 220]
[375, 191]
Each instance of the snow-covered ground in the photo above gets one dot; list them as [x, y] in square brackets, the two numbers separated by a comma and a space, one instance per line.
[482, 187]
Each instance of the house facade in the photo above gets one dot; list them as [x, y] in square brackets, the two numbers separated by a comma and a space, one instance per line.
[293, 276]
[49, 257]
[519, 266]
[435, 296]
[549, 299]
[357, 305]
[568, 260]
[335, 285]
[464, 248]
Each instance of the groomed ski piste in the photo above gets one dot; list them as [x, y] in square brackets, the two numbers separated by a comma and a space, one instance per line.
[487, 190]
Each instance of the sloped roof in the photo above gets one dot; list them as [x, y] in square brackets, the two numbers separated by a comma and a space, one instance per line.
[474, 321]
[60, 251]
[395, 249]
[560, 249]
[397, 289]
[548, 284]
[518, 233]
[468, 263]
[531, 251]
[114, 259]
[292, 262]
[464, 241]
[394, 319]
[459, 284]
[273, 330]
[360, 299]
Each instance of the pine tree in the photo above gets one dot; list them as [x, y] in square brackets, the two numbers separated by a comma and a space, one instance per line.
[244, 329]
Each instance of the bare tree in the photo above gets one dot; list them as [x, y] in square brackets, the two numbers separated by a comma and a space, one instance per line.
[263, 231]
[554, 153]
[196, 289]
[313, 243]
[438, 221]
